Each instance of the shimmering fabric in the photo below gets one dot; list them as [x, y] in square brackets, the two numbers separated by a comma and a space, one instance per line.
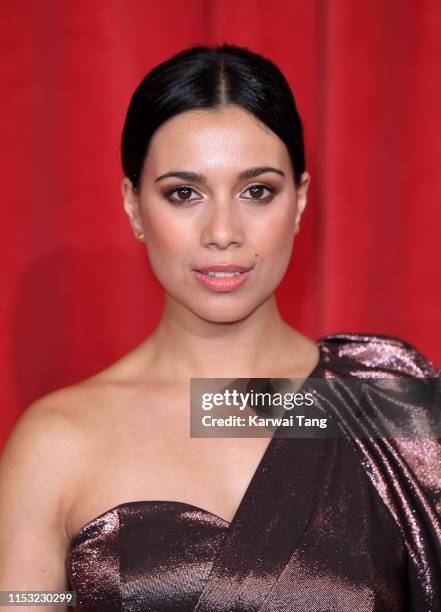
[326, 524]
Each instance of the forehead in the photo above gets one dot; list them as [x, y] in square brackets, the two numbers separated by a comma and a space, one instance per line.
[204, 139]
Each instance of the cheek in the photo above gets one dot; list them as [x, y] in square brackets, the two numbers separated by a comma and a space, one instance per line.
[275, 237]
[276, 254]
[273, 245]
[168, 242]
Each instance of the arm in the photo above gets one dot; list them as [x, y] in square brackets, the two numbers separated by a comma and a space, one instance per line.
[33, 480]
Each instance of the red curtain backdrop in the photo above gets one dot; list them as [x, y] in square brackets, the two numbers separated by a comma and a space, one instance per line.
[77, 289]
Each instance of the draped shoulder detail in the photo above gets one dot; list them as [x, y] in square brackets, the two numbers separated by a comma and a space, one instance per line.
[381, 352]
[404, 470]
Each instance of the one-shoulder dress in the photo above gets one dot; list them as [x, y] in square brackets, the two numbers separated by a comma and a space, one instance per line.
[327, 524]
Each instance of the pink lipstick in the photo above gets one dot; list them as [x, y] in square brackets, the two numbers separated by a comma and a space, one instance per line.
[222, 277]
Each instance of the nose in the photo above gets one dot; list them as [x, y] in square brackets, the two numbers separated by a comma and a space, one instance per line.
[222, 226]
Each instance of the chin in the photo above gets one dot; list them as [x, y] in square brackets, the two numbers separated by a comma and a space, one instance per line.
[222, 317]
[223, 312]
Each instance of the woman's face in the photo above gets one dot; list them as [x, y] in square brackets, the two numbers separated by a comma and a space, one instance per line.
[208, 214]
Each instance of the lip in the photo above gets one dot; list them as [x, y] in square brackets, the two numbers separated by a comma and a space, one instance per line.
[223, 268]
[224, 284]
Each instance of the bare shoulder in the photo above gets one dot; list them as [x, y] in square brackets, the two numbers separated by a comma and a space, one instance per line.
[66, 424]
[36, 465]
[65, 427]
[62, 425]
[45, 459]
[56, 447]
[55, 421]
[40, 456]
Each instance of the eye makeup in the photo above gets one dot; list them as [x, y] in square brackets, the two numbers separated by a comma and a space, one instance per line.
[187, 201]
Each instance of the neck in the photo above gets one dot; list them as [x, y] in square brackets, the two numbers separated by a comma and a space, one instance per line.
[192, 347]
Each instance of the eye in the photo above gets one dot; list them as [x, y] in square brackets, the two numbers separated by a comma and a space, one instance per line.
[257, 190]
[184, 192]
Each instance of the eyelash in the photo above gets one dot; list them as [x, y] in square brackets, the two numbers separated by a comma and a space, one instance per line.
[180, 202]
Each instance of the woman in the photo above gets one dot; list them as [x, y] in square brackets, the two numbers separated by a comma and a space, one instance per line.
[103, 490]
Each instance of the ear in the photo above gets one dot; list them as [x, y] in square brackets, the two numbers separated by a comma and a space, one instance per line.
[131, 206]
[302, 197]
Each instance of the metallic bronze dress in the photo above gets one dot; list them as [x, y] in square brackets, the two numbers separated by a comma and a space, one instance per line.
[345, 524]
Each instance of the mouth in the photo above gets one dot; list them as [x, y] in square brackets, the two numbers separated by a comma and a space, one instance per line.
[215, 274]
[221, 279]
[223, 270]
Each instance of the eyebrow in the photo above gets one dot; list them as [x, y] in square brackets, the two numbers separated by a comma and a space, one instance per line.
[194, 176]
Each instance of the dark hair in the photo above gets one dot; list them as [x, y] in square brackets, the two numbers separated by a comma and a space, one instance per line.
[208, 78]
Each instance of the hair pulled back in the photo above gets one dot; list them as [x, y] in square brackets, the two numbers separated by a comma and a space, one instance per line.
[210, 78]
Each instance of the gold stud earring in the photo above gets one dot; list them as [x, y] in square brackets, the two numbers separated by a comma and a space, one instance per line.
[140, 237]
